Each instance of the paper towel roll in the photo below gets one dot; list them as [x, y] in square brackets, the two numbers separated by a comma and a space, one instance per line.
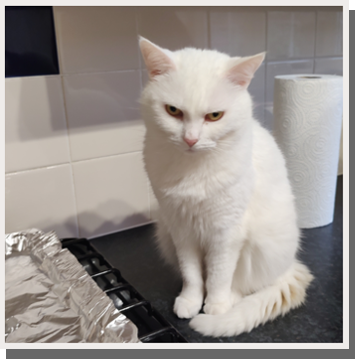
[307, 127]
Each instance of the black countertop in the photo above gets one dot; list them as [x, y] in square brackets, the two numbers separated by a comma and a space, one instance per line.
[133, 252]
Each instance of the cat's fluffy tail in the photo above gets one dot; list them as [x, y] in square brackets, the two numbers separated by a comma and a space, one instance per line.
[288, 292]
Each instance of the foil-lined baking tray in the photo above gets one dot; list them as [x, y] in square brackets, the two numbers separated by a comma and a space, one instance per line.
[49, 297]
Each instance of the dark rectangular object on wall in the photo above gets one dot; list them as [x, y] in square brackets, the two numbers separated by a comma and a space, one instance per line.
[30, 44]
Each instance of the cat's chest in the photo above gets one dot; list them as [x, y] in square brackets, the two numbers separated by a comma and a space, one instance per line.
[202, 200]
[199, 214]
[192, 188]
[204, 191]
[187, 180]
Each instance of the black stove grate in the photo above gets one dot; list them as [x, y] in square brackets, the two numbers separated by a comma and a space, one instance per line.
[152, 326]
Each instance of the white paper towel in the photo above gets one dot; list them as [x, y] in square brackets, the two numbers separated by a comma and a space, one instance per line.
[307, 127]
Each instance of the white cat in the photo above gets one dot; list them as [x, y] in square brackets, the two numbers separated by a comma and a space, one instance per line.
[227, 218]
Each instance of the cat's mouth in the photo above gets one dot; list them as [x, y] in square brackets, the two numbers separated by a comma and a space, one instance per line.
[190, 150]
[194, 150]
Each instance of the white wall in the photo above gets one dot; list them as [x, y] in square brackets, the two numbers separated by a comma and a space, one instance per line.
[74, 140]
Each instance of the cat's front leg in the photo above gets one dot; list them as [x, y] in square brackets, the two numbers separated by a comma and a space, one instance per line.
[221, 259]
[190, 300]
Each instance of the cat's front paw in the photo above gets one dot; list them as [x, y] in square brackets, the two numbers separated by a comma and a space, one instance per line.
[217, 308]
[185, 308]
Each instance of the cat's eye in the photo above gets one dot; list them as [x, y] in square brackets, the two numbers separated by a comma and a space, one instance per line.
[173, 111]
[214, 116]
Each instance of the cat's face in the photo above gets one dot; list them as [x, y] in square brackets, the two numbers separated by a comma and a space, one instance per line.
[196, 98]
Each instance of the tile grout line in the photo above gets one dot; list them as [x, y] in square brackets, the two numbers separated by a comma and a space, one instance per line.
[107, 156]
[71, 162]
[70, 154]
[293, 60]
[99, 72]
[37, 168]
[208, 28]
[137, 39]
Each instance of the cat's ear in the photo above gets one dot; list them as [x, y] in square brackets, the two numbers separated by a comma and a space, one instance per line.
[157, 60]
[242, 70]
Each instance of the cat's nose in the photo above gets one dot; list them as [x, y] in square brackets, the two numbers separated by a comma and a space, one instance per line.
[190, 142]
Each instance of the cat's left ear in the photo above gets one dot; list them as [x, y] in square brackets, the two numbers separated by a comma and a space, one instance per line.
[242, 70]
[157, 60]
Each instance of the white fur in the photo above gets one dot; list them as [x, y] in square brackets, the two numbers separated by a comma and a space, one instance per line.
[227, 218]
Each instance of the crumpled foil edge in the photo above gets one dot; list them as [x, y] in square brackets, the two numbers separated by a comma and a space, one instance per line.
[101, 321]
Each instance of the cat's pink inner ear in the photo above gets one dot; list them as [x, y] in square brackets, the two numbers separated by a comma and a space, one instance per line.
[242, 73]
[156, 61]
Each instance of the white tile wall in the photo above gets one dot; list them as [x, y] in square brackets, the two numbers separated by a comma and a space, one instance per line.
[332, 66]
[329, 33]
[174, 27]
[36, 134]
[43, 199]
[229, 32]
[291, 34]
[103, 113]
[73, 141]
[111, 194]
[96, 38]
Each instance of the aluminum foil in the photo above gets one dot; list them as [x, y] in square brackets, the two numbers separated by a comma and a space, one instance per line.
[49, 297]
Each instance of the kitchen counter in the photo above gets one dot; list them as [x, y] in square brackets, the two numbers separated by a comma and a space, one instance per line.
[320, 319]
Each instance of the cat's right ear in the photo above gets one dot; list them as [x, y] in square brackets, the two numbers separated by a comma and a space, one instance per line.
[243, 69]
[157, 60]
